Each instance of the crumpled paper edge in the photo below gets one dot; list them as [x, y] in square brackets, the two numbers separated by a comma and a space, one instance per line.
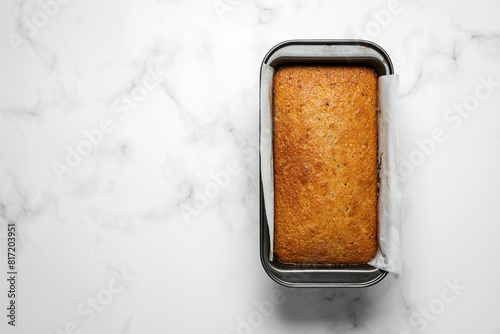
[266, 150]
[388, 255]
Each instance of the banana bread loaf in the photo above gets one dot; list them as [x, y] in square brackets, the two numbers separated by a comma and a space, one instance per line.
[325, 164]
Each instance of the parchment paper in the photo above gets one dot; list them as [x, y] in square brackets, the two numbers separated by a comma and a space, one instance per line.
[388, 256]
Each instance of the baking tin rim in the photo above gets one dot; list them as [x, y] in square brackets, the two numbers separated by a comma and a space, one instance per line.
[264, 236]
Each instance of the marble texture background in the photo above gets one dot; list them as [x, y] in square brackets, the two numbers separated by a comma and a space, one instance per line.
[129, 163]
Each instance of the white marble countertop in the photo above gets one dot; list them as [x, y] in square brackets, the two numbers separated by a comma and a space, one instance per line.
[118, 118]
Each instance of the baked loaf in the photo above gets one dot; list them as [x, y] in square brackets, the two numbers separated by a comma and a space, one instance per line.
[325, 164]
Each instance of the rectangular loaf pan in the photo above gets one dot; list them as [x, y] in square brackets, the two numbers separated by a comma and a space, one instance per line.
[325, 52]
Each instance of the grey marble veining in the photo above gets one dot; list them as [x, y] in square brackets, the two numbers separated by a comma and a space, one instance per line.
[129, 164]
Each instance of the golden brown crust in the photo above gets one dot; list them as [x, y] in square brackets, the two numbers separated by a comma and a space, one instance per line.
[325, 164]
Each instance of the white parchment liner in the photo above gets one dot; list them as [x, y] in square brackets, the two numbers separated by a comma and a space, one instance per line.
[388, 255]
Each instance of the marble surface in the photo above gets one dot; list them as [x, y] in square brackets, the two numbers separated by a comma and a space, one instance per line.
[129, 164]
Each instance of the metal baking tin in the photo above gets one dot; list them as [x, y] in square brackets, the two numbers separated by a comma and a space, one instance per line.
[326, 52]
